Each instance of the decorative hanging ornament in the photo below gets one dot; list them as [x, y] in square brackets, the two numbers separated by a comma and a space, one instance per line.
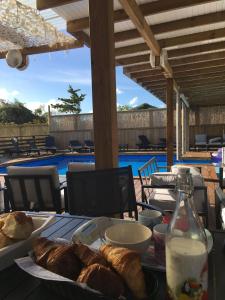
[14, 58]
[24, 63]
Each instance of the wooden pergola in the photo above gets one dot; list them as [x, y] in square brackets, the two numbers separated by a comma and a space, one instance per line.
[174, 49]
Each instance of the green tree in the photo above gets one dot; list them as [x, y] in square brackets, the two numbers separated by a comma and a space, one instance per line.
[124, 107]
[41, 116]
[15, 112]
[72, 104]
[144, 106]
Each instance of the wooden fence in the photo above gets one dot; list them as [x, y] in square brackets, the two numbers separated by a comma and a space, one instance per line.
[24, 133]
[151, 122]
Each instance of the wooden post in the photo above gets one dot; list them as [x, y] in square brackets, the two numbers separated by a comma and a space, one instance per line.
[49, 118]
[103, 83]
[178, 127]
[183, 121]
[187, 128]
[169, 125]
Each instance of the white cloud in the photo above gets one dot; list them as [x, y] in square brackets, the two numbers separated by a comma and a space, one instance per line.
[7, 94]
[32, 105]
[118, 91]
[133, 101]
[80, 77]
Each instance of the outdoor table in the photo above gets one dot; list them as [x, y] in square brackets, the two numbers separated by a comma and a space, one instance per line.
[18, 285]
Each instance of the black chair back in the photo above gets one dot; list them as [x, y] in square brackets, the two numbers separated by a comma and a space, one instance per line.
[50, 141]
[144, 140]
[101, 192]
[31, 192]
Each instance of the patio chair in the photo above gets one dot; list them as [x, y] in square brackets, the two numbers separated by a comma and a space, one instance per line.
[223, 140]
[50, 144]
[106, 192]
[78, 167]
[75, 145]
[33, 188]
[16, 148]
[220, 208]
[150, 176]
[89, 144]
[166, 199]
[201, 141]
[215, 142]
[222, 177]
[33, 148]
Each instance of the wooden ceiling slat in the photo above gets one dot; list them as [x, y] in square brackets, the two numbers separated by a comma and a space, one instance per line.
[185, 67]
[174, 25]
[175, 41]
[137, 59]
[206, 76]
[204, 82]
[46, 4]
[151, 79]
[146, 9]
[152, 73]
[199, 72]
[212, 46]
[191, 38]
[81, 36]
[200, 65]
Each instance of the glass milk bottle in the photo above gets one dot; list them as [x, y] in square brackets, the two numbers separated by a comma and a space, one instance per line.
[186, 246]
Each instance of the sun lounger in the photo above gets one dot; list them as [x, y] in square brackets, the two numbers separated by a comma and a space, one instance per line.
[75, 145]
[49, 144]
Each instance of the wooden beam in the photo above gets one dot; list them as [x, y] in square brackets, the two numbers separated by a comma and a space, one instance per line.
[171, 26]
[146, 9]
[169, 121]
[139, 68]
[103, 83]
[46, 4]
[149, 74]
[46, 48]
[209, 47]
[146, 80]
[136, 16]
[81, 36]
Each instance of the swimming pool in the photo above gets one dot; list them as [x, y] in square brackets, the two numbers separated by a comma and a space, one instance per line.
[136, 161]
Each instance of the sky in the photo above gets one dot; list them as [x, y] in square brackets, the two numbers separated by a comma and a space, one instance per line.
[48, 76]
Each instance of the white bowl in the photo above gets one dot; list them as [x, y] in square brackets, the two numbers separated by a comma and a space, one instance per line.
[150, 217]
[134, 236]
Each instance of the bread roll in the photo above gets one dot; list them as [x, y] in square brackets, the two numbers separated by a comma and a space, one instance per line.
[17, 226]
[87, 256]
[4, 240]
[64, 262]
[102, 279]
[127, 263]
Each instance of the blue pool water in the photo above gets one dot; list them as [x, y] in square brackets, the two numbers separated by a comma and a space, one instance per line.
[136, 161]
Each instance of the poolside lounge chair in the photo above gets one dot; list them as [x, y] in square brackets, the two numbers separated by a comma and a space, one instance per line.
[145, 143]
[49, 144]
[75, 145]
[106, 192]
[33, 188]
[16, 148]
[223, 140]
[89, 144]
[33, 147]
[201, 141]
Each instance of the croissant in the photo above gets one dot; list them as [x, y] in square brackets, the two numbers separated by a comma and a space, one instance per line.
[87, 256]
[63, 261]
[42, 247]
[102, 279]
[128, 265]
